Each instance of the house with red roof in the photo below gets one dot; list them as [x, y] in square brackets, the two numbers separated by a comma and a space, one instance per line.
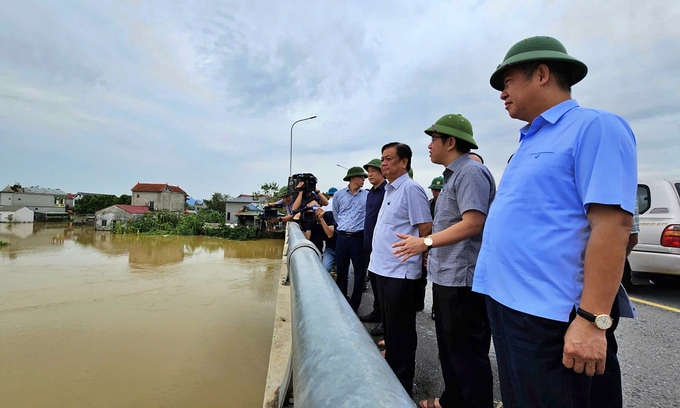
[107, 218]
[159, 197]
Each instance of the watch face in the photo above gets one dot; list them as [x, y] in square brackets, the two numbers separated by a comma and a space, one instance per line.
[603, 322]
[428, 241]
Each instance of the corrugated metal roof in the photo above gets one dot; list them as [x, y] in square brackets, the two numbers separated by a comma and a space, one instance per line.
[33, 190]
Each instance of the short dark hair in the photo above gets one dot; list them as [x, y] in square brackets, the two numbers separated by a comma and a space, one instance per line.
[403, 152]
[560, 70]
[461, 145]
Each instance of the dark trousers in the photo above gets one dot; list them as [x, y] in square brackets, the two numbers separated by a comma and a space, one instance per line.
[371, 278]
[351, 248]
[421, 284]
[463, 338]
[397, 303]
[606, 391]
[529, 355]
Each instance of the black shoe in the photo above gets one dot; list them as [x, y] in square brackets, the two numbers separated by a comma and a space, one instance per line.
[378, 330]
[420, 307]
[372, 317]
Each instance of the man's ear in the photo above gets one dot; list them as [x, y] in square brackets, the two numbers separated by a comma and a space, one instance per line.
[543, 73]
[451, 143]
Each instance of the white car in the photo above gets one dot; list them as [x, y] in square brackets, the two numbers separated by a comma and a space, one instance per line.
[657, 254]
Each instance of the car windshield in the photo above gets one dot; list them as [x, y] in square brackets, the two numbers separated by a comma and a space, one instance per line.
[677, 187]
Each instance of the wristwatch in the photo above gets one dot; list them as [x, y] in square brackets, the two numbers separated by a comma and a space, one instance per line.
[428, 241]
[603, 321]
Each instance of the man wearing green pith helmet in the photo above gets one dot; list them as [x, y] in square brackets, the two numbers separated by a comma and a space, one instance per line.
[555, 238]
[462, 327]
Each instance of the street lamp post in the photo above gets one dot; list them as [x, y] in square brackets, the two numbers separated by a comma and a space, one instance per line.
[290, 165]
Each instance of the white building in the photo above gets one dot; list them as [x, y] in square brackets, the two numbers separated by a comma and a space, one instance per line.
[13, 213]
[236, 205]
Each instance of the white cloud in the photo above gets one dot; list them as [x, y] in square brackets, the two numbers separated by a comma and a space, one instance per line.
[203, 94]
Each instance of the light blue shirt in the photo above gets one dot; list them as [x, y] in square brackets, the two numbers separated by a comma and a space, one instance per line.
[536, 233]
[349, 210]
[404, 207]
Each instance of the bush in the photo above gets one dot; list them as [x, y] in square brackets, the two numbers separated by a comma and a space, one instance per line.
[166, 223]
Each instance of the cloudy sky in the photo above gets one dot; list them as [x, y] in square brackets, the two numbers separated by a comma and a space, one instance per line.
[96, 96]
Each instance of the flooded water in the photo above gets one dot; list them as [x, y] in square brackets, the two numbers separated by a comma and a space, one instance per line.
[97, 320]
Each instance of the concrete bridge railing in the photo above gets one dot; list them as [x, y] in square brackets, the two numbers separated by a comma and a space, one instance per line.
[319, 345]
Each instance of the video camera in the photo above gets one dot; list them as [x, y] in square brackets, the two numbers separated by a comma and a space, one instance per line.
[308, 178]
[307, 213]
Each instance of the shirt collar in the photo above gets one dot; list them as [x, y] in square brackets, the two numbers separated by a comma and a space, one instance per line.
[380, 187]
[399, 181]
[456, 164]
[551, 116]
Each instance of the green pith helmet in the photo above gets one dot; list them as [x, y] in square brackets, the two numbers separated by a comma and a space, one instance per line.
[355, 171]
[437, 183]
[540, 48]
[455, 125]
[373, 163]
[410, 172]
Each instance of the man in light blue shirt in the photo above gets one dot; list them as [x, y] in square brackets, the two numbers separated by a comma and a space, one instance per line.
[555, 238]
[349, 210]
[404, 210]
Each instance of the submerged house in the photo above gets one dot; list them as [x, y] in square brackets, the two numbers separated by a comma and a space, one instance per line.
[107, 218]
[236, 205]
[11, 213]
[250, 214]
[159, 197]
[47, 204]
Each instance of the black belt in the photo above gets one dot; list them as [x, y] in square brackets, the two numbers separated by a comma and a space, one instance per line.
[352, 234]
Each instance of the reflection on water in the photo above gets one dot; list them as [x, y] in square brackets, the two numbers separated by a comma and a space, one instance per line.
[93, 319]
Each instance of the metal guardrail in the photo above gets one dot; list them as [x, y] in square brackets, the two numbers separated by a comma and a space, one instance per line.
[334, 360]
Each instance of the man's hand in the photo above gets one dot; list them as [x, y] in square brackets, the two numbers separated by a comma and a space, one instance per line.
[408, 246]
[585, 348]
[319, 214]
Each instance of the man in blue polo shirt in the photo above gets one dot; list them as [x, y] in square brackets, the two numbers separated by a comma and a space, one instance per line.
[404, 210]
[555, 238]
[349, 210]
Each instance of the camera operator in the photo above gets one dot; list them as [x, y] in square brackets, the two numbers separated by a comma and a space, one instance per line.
[324, 232]
[304, 197]
[285, 202]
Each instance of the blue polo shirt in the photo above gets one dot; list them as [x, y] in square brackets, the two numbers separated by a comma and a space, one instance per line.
[536, 232]
[349, 209]
[373, 203]
[404, 207]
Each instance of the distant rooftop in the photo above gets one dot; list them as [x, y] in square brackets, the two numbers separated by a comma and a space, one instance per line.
[244, 198]
[17, 188]
[157, 188]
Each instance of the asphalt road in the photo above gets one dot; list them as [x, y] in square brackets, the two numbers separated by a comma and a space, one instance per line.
[649, 349]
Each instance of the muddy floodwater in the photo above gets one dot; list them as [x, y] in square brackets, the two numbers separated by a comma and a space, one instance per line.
[90, 319]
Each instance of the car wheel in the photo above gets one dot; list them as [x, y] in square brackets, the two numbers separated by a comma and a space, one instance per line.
[627, 279]
[667, 281]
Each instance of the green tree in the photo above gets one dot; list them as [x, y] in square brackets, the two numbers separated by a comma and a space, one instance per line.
[91, 203]
[268, 192]
[125, 199]
[218, 202]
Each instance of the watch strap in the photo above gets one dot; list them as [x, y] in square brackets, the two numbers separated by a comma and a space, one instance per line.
[586, 315]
